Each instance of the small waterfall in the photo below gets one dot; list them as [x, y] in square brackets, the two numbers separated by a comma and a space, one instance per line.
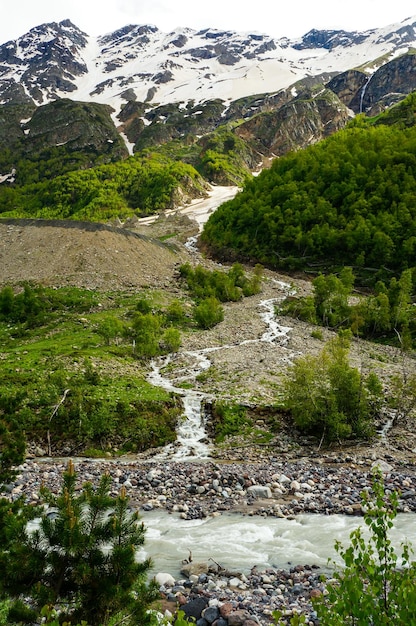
[363, 90]
[385, 428]
[191, 440]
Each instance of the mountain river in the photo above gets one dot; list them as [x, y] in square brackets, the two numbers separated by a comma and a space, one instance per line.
[234, 540]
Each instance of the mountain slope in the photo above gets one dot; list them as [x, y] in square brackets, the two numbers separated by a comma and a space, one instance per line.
[142, 63]
[72, 102]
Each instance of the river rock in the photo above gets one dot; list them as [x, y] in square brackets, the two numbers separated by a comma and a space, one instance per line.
[238, 618]
[226, 609]
[211, 614]
[260, 491]
[164, 579]
[382, 466]
[189, 569]
[194, 607]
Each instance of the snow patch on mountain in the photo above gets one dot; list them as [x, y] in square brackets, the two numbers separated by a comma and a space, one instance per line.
[140, 62]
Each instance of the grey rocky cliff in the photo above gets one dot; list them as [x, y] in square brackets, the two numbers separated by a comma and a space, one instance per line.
[302, 121]
[373, 92]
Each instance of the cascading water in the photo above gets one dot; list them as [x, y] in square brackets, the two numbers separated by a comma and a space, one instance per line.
[191, 436]
[192, 441]
[363, 90]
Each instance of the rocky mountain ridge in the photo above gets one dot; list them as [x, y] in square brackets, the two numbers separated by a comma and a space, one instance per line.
[64, 93]
[142, 63]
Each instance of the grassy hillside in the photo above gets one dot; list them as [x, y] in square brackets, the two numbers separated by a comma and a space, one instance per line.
[72, 369]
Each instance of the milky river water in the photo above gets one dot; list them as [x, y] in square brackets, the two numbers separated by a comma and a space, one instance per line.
[240, 542]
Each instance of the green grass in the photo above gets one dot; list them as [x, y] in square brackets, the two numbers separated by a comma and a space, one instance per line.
[109, 403]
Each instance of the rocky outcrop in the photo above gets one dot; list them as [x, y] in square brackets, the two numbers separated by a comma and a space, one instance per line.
[348, 86]
[329, 39]
[79, 126]
[305, 120]
[390, 84]
[11, 123]
[372, 92]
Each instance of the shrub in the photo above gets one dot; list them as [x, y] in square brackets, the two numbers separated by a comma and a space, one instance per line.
[328, 397]
[208, 313]
[376, 585]
[230, 419]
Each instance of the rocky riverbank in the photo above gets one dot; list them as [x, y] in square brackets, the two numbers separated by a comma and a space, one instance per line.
[329, 485]
[225, 598]
[274, 488]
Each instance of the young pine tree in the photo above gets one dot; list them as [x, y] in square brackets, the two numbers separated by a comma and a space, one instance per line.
[81, 558]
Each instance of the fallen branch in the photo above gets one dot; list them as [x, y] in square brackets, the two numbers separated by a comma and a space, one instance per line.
[54, 412]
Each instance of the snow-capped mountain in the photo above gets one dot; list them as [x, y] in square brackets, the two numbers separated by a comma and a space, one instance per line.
[141, 63]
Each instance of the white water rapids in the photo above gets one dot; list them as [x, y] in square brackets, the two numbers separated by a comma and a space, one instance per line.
[238, 543]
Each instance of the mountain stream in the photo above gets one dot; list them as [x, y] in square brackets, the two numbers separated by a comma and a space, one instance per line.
[237, 541]
[192, 441]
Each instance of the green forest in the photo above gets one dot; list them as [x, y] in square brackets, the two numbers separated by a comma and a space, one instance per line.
[58, 183]
[348, 200]
[140, 185]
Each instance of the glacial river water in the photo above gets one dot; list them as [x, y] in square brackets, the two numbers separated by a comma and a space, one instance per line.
[239, 542]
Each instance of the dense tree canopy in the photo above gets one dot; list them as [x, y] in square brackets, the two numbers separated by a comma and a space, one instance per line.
[349, 200]
[140, 185]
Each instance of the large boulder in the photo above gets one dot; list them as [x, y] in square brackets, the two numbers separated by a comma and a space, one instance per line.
[196, 569]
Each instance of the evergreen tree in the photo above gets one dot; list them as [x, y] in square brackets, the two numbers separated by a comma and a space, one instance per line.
[81, 558]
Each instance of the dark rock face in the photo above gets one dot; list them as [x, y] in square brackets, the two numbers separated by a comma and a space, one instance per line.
[329, 39]
[391, 83]
[373, 93]
[171, 121]
[295, 125]
[347, 86]
[11, 128]
[128, 34]
[76, 125]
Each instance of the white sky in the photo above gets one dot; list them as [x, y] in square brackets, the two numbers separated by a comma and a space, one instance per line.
[291, 18]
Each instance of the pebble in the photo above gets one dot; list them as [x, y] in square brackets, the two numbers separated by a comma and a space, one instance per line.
[197, 490]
